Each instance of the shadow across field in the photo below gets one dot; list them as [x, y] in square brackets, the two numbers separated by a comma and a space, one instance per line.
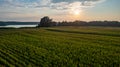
[78, 32]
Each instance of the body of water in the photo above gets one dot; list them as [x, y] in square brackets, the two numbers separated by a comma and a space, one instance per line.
[17, 26]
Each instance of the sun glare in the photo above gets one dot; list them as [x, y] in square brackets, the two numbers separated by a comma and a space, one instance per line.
[76, 12]
[76, 9]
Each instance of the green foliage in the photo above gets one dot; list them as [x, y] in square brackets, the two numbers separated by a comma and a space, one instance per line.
[60, 47]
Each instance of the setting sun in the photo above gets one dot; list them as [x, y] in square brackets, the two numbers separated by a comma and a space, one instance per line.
[76, 12]
[75, 9]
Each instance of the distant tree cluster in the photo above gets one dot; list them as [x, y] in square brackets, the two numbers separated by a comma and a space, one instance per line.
[91, 23]
[47, 22]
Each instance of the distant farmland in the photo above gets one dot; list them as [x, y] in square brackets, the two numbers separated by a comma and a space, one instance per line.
[60, 47]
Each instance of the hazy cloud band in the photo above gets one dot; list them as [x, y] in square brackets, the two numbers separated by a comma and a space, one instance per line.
[53, 4]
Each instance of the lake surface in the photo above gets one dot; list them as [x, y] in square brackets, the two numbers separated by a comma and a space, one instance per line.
[17, 26]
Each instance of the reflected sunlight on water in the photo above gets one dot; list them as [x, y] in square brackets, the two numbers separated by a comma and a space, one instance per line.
[18, 26]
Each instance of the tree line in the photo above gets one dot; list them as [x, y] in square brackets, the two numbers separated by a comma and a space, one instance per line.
[47, 22]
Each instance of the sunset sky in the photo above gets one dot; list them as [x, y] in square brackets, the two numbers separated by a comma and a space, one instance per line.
[59, 10]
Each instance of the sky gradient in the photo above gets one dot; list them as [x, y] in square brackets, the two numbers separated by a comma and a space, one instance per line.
[59, 10]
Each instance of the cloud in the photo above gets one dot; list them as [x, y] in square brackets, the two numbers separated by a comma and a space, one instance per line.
[71, 1]
[53, 4]
[66, 4]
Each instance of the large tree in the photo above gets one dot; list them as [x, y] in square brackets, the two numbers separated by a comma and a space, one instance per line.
[45, 22]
